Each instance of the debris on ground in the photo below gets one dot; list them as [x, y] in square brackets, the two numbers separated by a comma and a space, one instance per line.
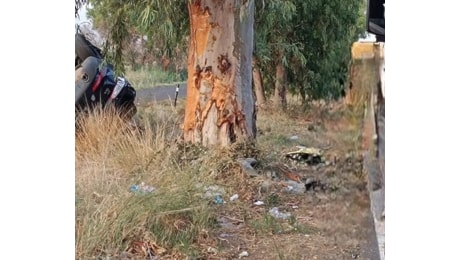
[219, 200]
[274, 212]
[259, 203]
[294, 187]
[309, 155]
[294, 138]
[212, 191]
[247, 165]
[315, 185]
[212, 250]
[277, 172]
[141, 188]
[243, 254]
[234, 197]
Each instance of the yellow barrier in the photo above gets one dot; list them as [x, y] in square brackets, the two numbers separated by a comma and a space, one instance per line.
[367, 50]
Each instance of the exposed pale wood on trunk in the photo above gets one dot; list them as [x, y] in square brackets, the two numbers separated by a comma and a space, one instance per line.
[220, 104]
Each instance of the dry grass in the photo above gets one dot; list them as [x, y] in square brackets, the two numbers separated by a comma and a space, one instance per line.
[175, 221]
[110, 158]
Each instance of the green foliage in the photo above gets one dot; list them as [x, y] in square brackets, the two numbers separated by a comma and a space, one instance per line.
[273, 200]
[335, 29]
[162, 26]
[113, 15]
[312, 39]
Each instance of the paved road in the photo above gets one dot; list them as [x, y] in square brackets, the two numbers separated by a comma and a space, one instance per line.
[160, 93]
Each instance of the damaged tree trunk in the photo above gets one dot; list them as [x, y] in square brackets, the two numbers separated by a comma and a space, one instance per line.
[280, 87]
[258, 83]
[220, 105]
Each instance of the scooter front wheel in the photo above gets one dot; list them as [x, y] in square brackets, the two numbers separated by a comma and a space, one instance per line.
[84, 76]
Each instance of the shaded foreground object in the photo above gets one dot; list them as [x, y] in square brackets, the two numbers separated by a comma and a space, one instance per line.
[309, 155]
[96, 85]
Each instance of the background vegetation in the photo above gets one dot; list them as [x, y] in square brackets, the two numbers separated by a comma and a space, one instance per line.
[310, 38]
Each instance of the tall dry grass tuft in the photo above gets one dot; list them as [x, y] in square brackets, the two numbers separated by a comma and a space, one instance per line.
[111, 156]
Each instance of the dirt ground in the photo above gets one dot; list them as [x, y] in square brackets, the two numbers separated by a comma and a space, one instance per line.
[330, 221]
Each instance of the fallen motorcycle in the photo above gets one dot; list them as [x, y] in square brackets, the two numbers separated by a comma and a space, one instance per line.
[96, 85]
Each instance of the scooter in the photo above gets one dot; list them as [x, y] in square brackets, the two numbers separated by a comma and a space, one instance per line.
[96, 84]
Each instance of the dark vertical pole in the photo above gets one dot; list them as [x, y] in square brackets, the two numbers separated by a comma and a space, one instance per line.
[177, 93]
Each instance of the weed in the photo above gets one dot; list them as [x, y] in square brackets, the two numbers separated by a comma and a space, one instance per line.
[273, 200]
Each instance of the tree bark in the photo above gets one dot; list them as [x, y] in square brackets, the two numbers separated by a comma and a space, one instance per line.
[220, 106]
[280, 87]
[258, 83]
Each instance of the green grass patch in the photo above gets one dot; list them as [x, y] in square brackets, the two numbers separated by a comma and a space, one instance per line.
[267, 224]
[148, 77]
